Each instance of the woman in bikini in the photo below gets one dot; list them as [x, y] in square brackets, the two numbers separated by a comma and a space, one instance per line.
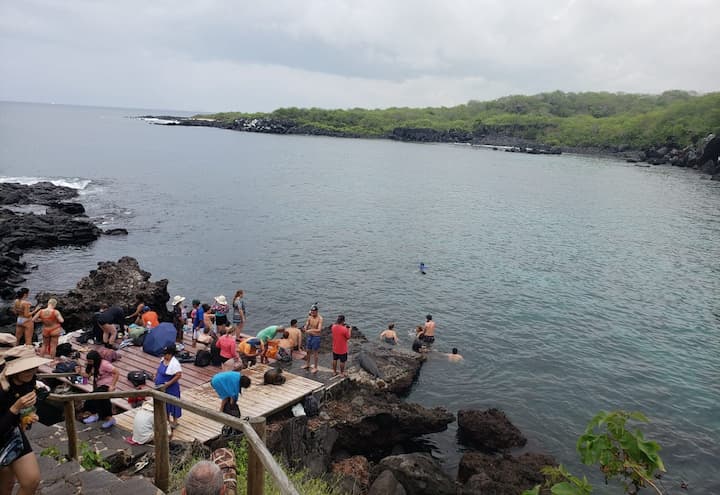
[52, 327]
[21, 308]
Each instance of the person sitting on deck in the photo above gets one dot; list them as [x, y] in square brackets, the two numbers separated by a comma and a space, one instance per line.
[295, 335]
[149, 318]
[285, 347]
[227, 345]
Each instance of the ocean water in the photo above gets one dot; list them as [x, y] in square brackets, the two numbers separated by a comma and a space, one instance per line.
[570, 284]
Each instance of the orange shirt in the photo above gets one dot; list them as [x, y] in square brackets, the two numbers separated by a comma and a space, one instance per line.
[152, 317]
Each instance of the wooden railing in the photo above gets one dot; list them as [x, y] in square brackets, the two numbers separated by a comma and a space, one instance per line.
[259, 458]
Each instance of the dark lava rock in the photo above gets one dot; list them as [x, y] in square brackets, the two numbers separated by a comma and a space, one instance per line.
[386, 484]
[113, 283]
[115, 232]
[303, 442]
[369, 422]
[42, 193]
[66, 208]
[398, 367]
[418, 473]
[501, 474]
[488, 430]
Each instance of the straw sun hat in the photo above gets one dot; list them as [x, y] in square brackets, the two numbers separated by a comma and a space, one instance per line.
[177, 300]
[221, 299]
[21, 358]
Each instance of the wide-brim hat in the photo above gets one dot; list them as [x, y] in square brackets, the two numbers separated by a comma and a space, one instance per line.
[22, 358]
[221, 299]
[177, 300]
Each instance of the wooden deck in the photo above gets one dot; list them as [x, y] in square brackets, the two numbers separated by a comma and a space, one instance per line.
[258, 400]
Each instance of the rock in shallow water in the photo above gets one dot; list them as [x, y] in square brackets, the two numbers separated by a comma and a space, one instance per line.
[489, 430]
[418, 473]
[501, 474]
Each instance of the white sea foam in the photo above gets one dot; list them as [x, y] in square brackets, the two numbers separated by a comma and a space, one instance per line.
[71, 182]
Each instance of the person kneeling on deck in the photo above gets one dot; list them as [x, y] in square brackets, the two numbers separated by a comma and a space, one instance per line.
[248, 352]
[264, 336]
[144, 425]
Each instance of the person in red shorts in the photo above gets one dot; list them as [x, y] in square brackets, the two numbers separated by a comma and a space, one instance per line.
[340, 336]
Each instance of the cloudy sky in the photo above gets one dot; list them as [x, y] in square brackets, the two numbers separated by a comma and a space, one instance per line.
[257, 56]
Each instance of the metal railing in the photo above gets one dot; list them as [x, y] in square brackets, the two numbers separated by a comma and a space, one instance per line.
[259, 457]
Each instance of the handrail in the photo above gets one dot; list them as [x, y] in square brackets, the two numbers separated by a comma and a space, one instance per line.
[258, 451]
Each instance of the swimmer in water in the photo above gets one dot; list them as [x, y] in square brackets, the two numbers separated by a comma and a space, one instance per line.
[454, 357]
[422, 268]
[389, 336]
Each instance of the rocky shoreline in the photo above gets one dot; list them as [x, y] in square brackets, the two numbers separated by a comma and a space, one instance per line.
[38, 216]
[701, 156]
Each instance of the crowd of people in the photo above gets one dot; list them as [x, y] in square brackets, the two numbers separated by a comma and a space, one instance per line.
[216, 328]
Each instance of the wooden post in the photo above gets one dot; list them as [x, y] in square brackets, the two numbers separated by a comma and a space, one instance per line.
[162, 445]
[70, 429]
[256, 472]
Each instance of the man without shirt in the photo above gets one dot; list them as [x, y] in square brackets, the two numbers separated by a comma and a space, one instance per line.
[313, 330]
[429, 330]
[295, 335]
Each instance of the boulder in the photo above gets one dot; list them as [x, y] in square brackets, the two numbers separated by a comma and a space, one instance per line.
[66, 208]
[115, 232]
[501, 474]
[386, 484]
[303, 442]
[710, 167]
[113, 283]
[398, 368]
[353, 473]
[418, 473]
[488, 430]
[369, 422]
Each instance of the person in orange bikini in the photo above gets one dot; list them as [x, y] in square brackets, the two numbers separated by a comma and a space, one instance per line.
[52, 322]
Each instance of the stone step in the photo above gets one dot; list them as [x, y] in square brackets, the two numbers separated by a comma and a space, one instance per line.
[70, 478]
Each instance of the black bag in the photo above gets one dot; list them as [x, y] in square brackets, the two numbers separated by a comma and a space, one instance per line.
[65, 367]
[202, 359]
[185, 357]
[138, 378]
[311, 406]
[283, 355]
[64, 350]
[85, 336]
[233, 410]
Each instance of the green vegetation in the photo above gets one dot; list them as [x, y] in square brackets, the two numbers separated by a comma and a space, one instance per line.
[305, 484]
[53, 452]
[560, 119]
[622, 454]
[90, 458]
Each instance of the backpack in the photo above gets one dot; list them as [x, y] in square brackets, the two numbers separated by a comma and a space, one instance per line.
[233, 410]
[63, 350]
[185, 357]
[311, 406]
[138, 378]
[65, 367]
[85, 336]
[283, 355]
[135, 331]
[202, 359]
[140, 339]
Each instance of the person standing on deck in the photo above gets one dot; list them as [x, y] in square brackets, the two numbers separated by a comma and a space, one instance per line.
[238, 312]
[313, 330]
[169, 373]
[178, 317]
[340, 336]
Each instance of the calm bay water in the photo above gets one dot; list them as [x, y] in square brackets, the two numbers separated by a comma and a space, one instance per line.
[570, 284]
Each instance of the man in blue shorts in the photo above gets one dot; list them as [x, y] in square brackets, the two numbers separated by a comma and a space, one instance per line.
[313, 330]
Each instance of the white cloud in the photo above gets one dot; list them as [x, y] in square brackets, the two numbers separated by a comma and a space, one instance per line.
[220, 54]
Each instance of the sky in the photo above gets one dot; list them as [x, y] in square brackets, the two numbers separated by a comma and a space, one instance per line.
[216, 55]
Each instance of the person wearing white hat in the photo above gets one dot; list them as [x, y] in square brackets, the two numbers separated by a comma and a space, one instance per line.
[178, 319]
[220, 309]
[17, 412]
